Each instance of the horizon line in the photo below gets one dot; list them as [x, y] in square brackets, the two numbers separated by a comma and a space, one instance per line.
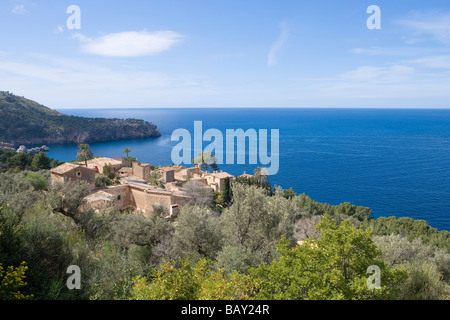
[334, 108]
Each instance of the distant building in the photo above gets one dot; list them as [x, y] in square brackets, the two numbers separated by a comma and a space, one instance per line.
[167, 173]
[22, 149]
[99, 163]
[7, 146]
[216, 180]
[246, 175]
[125, 172]
[134, 192]
[73, 172]
[141, 170]
[137, 197]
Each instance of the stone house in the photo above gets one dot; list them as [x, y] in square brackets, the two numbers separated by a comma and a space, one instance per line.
[141, 170]
[167, 173]
[98, 164]
[73, 172]
[136, 197]
[216, 180]
[246, 175]
[125, 172]
[134, 193]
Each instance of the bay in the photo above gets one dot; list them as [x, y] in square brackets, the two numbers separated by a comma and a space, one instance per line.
[395, 161]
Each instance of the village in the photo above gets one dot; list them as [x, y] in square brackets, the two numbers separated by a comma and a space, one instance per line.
[132, 190]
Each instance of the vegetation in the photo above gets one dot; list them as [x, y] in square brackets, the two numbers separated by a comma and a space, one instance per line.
[102, 181]
[84, 153]
[206, 161]
[127, 151]
[188, 282]
[10, 160]
[410, 229]
[11, 280]
[23, 121]
[249, 249]
[154, 179]
[331, 267]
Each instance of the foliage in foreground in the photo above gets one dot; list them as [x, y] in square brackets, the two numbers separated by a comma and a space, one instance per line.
[235, 254]
[332, 267]
[193, 282]
[11, 281]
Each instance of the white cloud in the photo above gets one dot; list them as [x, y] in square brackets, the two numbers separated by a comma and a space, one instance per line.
[395, 73]
[130, 44]
[276, 46]
[435, 62]
[372, 51]
[68, 83]
[434, 24]
[19, 9]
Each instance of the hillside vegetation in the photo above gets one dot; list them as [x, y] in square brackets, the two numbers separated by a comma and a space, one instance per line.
[249, 250]
[23, 121]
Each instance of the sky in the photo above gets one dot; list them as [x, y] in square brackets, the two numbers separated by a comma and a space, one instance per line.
[227, 54]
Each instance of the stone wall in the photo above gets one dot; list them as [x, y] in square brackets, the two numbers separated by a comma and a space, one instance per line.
[140, 170]
[80, 174]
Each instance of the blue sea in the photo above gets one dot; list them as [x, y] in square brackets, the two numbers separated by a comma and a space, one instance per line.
[395, 161]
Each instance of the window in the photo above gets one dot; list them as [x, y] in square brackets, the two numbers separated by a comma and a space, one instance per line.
[78, 174]
[118, 197]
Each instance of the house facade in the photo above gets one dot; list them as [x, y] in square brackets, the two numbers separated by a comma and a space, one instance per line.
[73, 172]
[99, 163]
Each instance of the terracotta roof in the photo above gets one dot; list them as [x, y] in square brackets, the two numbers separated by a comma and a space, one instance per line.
[99, 195]
[165, 169]
[175, 168]
[246, 175]
[103, 161]
[64, 168]
[221, 175]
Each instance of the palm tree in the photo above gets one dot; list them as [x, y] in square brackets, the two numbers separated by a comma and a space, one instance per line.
[154, 179]
[84, 153]
[261, 175]
[127, 151]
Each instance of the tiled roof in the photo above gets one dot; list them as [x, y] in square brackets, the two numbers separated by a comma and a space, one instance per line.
[222, 175]
[64, 168]
[103, 161]
[99, 195]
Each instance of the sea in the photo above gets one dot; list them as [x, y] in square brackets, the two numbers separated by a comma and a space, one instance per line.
[395, 161]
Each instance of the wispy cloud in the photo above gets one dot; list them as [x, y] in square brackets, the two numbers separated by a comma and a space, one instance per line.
[397, 85]
[70, 83]
[58, 29]
[276, 46]
[130, 44]
[434, 24]
[394, 73]
[435, 62]
[19, 9]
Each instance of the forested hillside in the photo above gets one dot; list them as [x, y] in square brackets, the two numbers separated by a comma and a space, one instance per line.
[23, 121]
[249, 249]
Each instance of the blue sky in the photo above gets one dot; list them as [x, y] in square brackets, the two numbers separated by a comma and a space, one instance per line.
[233, 53]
